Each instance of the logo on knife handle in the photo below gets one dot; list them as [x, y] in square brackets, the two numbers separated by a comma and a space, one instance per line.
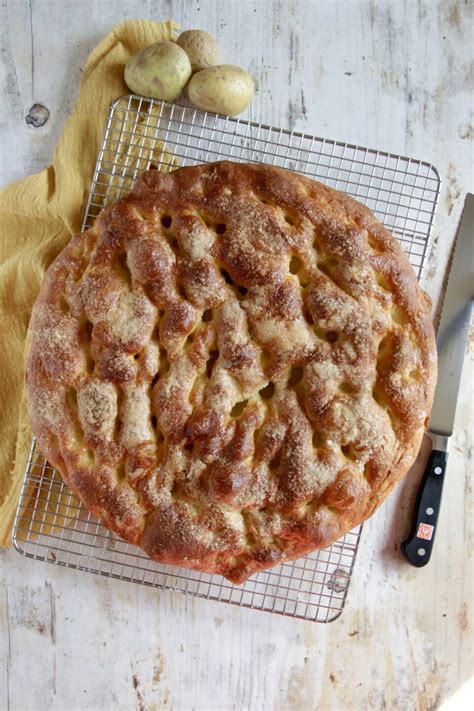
[425, 531]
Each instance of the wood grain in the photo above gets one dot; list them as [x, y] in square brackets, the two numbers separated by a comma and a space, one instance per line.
[395, 75]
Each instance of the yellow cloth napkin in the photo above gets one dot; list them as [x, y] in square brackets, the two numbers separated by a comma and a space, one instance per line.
[38, 215]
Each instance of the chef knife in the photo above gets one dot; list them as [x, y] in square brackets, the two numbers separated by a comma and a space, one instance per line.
[452, 337]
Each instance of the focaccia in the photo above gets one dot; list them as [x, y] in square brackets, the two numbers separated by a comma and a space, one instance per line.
[233, 367]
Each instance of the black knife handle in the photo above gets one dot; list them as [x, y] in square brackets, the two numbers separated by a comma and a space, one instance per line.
[416, 549]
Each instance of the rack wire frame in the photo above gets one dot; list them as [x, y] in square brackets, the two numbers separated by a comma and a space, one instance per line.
[51, 524]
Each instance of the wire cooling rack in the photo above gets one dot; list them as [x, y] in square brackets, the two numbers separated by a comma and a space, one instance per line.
[51, 524]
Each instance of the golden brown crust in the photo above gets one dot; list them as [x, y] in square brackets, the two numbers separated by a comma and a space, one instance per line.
[233, 367]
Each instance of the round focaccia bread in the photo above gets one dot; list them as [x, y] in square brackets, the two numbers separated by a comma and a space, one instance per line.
[233, 367]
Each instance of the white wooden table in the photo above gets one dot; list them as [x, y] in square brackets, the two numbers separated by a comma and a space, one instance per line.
[390, 74]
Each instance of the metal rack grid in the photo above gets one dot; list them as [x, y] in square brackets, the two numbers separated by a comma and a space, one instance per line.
[51, 524]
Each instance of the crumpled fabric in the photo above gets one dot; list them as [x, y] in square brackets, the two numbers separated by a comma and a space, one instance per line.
[38, 216]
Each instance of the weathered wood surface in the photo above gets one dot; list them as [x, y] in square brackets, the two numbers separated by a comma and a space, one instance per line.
[393, 75]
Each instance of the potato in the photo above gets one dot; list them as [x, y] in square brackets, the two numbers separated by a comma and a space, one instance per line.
[225, 89]
[161, 71]
[201, 48]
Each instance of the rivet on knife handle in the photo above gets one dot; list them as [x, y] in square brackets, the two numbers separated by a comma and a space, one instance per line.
[417, 548]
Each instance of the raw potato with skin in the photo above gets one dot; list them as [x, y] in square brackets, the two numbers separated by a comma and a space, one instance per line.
[224, 89]
[160, 71]
[201, 48]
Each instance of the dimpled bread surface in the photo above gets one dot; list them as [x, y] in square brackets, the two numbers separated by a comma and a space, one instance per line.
[232, 368]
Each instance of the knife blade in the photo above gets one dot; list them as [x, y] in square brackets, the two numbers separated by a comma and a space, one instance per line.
[451, 342]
